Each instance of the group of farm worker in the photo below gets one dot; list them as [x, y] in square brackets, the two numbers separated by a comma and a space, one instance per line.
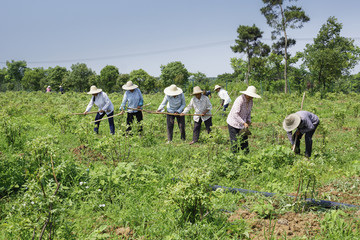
[238, 120]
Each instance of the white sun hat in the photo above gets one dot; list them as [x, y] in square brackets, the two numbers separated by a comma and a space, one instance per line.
[173, 90]
[251, 91]
[129, 86]
[216, 87]
[291, 122]
[94, 90]
[197, 90]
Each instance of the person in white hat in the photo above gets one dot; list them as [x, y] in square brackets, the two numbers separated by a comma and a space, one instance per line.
[239, 119]
[104, 104]
[306, 123]
[48, 89]
[202, 105]
[224, 96]
[135, 100]
[175, 103]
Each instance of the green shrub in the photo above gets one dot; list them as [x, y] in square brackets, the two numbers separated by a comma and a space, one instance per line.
[192, 195]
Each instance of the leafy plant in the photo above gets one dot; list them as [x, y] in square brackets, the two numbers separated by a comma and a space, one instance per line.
[192, 195]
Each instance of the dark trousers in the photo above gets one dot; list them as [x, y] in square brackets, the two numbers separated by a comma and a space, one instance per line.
[197, 128]
[170, 121]
[308, 141]
[224, 109]
[111, 122]
[237, 136]
[130, 119]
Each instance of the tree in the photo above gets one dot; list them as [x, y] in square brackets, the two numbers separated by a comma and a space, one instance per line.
[174, 73]
[2, 79]
[330, 56]
[121, 80]
[226, 77]
[240, 68]
[279, 46]
[32, 79]
[15, 73]
[248, 42]
[141, 78]
[280, 18]
[108, 77]
[56, 76]
[80, 77]
[200, 78]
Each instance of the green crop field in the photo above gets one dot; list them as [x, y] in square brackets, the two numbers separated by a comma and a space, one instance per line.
[59, 180]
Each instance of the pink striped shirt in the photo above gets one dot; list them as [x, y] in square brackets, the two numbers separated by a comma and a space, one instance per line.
[240, 112]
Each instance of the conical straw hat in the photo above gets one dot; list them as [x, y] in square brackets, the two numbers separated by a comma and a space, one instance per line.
[129, 86]
[94, 90]
[172, 90]
[251, 91]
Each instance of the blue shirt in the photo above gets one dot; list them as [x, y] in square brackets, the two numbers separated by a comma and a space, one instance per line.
[174, 103]
[134, 99]
[308, 123]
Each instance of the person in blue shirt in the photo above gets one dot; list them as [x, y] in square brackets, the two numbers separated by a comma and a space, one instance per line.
[175, 103]
[305, 123]
[135, 101]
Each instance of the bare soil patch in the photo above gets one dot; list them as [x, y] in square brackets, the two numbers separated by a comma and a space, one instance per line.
[288, 225]
[84, 153]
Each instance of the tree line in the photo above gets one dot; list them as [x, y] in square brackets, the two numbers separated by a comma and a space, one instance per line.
[324, 65]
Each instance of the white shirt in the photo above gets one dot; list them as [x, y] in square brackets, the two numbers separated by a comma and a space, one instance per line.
[223, 94]
[240, 112]
[200, 106]
[102, 101]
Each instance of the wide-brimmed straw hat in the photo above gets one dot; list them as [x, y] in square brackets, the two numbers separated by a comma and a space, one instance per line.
[291, 122]
[48, 86]
[129, 86]
[94, 90]
[251, 91]
[173, 90]
[216, 87]
[197, 90]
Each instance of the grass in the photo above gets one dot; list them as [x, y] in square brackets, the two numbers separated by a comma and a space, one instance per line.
[123, 187]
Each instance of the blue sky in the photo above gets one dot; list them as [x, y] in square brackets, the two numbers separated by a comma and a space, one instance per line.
[134, 34]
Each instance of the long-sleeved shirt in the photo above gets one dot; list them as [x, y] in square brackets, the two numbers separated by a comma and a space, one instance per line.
[240, 112]
[102, 101]
[223, 94]
[307, 124]
[174, 103]
[200, 106]
[134, 99]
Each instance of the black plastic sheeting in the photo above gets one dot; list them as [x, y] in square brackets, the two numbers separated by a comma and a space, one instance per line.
[322, 203]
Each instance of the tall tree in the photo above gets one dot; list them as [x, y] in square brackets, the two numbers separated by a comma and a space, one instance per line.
[174, 73]
[2, 79]
[32, 79]
[279, 46]
[108, 76]
[15, 73]
[200, 78]
[80, 77]
[121, 80]
[141, 78]
[248, 42]
[280, 18]
[331, 56]
[56, 76]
